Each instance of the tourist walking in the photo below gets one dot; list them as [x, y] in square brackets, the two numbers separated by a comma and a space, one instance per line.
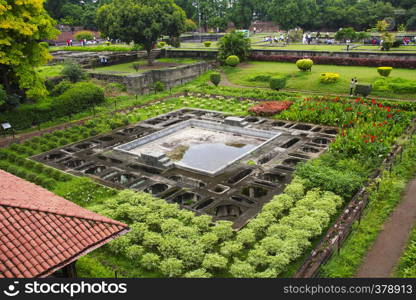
[353, 84]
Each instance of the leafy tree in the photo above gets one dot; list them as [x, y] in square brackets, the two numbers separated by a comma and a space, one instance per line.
[234, 43]
[141, 21]
[198, 273]
[240, 269]
[190, 25]
[230, 248]
[214, 261]
[24, 24]
[346, 34]
[150, 261]
[3, 96]
[223, 230]
[171, 267]
[246, 236]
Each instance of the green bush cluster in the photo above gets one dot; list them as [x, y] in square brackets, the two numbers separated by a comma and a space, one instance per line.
[234, 43]
[61, 88]
[207, 44]
[286, 239]
[73, 71]
[304, 64]
[77, 98]
[277, 82]
[397, 85]
[232, 61]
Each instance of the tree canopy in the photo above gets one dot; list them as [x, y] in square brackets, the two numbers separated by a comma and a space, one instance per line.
[24, 24]
[141, 21]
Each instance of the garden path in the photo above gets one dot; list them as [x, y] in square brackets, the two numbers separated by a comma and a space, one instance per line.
[390, 243]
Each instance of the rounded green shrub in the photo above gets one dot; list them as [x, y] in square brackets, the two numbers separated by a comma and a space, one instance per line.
[304, 64]
[277, 82]
[61, 88]
[384, 71]
[232, 60]
[207, 44]
[161, 44]
[215, 78]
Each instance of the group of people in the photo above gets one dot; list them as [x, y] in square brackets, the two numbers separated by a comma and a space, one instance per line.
[83, 42]
[282, 38]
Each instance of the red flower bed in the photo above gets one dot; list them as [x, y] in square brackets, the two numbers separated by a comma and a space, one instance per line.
[267, 109]
[347, 61]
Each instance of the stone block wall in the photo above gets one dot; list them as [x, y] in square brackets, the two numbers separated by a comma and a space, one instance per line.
[142, 83]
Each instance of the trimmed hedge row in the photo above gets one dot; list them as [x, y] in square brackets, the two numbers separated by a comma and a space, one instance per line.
[75, 99]
[341, 61]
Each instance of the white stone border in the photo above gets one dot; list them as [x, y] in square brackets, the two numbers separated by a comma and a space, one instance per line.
[268, 135]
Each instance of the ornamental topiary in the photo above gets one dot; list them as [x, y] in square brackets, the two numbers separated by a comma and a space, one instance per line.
[304, 64]
[232, 60]
[329, 77]
[277, 82]
[215, 78]
[363, 89]
[384, 71]
[207, 44]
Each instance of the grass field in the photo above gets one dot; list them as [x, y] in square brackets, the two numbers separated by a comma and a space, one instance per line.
[309, 81]
[128, 67]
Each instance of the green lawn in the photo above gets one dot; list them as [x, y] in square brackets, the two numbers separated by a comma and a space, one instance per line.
[128, 67]
[309, 81]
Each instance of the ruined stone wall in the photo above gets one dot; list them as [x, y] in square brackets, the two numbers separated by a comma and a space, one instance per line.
[142, 83]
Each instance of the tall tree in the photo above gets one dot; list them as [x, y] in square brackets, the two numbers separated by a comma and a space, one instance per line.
[24, 24]
[141, 21]
[242, 13]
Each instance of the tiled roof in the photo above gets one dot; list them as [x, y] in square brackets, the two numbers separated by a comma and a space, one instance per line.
[41, 232]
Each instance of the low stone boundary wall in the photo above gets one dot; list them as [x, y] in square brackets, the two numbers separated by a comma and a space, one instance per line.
[142, 83]
[92, 59]
[298, 53]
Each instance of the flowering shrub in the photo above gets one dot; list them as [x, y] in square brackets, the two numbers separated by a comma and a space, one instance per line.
[270, 108]
[369, 128]
[341, 61]
[329, 77]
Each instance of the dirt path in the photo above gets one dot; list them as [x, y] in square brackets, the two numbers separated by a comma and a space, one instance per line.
[390, 243]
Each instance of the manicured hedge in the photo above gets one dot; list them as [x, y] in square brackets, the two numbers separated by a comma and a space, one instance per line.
[75, 99]
[350, 61]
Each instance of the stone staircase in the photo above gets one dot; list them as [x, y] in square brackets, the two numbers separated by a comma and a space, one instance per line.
[157, 159]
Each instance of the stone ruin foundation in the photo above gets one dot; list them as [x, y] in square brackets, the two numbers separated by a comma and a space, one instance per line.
[177, 157]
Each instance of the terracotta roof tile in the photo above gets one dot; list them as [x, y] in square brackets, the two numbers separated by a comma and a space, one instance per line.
[40, 231]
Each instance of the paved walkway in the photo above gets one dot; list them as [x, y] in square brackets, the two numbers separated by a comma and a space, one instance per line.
[390, 243]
